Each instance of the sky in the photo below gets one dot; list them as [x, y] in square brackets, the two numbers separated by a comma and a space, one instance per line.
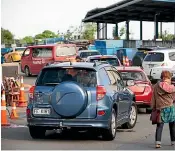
[30, 17]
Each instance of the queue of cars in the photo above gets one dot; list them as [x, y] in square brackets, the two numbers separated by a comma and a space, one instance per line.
[98, 94]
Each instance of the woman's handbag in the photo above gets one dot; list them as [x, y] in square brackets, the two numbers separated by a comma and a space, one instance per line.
[155, 116]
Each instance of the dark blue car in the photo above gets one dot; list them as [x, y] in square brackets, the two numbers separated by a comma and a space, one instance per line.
[90, 96]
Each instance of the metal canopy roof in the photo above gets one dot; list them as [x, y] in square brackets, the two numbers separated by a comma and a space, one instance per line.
[144, 10]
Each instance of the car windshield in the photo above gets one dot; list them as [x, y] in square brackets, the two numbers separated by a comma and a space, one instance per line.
[133, 75]
[65, 51]
[86, 54]
[111, 61]
[54, 76]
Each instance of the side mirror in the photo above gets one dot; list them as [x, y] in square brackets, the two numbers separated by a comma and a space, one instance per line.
[130, 83]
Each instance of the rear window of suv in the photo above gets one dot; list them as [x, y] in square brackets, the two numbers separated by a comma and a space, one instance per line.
[154, 57]
[172, 56]
[54, 76]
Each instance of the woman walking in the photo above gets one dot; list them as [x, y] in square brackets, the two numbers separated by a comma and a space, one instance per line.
[162, 101]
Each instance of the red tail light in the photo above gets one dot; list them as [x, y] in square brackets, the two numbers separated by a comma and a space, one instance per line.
[31, 92]
[101, 92]
[101, 113]
[27, 112]
[148, 89]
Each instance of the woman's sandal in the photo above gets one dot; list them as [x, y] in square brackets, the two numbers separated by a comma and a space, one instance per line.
[158, 146]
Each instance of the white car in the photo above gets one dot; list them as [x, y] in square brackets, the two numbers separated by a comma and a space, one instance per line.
[86, 53]
[155, 73]
[157, 61]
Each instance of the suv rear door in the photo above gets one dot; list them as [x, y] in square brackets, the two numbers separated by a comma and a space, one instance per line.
[67, 97]
[153, 59]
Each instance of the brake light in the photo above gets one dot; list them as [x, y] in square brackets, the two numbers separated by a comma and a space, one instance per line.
[100, 92]
[148, 89]
[27, 112]
[101, 113]
[31, 92]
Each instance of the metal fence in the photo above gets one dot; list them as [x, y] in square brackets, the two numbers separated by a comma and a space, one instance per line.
[144, 43]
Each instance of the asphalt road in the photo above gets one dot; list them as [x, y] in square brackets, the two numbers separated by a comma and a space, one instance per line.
[16, 137]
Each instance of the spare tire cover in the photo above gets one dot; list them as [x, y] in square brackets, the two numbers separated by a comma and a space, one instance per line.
[69, 99]
[137, 61]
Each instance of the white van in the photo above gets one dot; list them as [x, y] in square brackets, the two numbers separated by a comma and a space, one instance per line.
[158, 58]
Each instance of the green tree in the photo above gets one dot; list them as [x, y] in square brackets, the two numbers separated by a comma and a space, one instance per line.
[27, 40]
[166, 36]
[89, 30]
[6, 36]
[49, 34]
[39, 36]
[46, 34]
[69, 33]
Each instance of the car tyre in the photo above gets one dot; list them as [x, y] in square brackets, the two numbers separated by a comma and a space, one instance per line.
[132, 118]
[110, 133]
[37, 132]
[27, 71]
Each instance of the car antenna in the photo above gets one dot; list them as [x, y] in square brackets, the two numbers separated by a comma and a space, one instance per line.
[70, 62]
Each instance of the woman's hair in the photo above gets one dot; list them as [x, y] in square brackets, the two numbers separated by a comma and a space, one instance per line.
[166, 75]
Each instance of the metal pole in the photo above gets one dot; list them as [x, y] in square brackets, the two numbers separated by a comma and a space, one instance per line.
[106, 31]
[116, 30]
[127, 30]
[161, 30]
[141, 30]
[98, 30]
[155, 27]
[174, 25]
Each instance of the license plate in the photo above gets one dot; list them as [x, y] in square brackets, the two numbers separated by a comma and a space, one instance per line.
[38, 111]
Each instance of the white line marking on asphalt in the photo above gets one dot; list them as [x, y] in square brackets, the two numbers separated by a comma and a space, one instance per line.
[15, 126]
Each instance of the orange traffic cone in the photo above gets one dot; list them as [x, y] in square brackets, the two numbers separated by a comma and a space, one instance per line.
[4, 121]
[124, 61]
[22, 101]
[14, 114]
[127, 61]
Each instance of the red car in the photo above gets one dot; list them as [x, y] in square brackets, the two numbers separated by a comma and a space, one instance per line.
[137, 81]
